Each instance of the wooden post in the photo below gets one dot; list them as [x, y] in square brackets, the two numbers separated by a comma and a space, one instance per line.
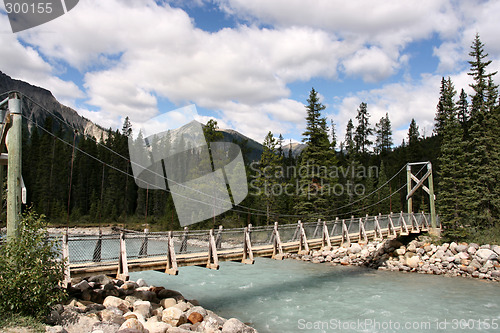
[277, 248]
[171, 268]
[247, 248]
[415, 229]
[362, 232]
[218, 239]
[213, 259]
[297, 232]
[14, 147]
[326, 245]
[65, 257]
[184, 240]
[425, 221]
[143, 252]
[316, 230]
[403, 225]
[378, 230]
[122, 273]
[350, 223]
[332, 233]
[303, 246]
[431, 201]
[392, 231]
[98, 249]
[408, 187]
[345, 235]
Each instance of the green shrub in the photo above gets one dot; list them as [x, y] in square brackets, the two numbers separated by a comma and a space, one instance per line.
[30, 270]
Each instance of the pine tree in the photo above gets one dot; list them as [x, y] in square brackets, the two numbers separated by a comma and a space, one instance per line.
[452, 200]
[413, 141]
[127, 127]
[349, 137]
[279, 144]
[333, 135]
[315, 159]
[269, 174]
[483, 146]
[446, 105]
[363, 130]
[463, 113]
[384, 135]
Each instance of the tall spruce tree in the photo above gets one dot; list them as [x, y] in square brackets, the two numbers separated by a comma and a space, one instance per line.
[269, 177]
[315, 159]
[349, 137]
[446, 105]
[384, 135]
[363, 130]
[413, 141]
[463, 113]
[483, 145]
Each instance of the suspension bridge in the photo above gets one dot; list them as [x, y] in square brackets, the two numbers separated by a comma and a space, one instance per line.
[128, 251]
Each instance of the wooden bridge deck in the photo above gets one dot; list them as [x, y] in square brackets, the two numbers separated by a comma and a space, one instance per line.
[160, 263]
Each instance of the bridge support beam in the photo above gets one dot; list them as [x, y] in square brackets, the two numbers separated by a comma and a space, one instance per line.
[213, 259]
[378, 231]
[171, 259]
[247, 248]
[363, 239]
[65, 257]
[346, 242]
[326, 244]
[277, 248]
[392, 231]
[122, 273]
[403, 225]
[303, 245]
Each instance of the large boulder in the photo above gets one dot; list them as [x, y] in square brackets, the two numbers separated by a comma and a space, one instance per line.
[173, 316]
[100, 279]
[132, 323]
[412, 261]
[143, 307]
[113, 301]
[75, 322]
[233, 325]
[157, 327]
[355, 248]
[83, 285]
[485, 254]
[168, 302]
[167, 293]
[105, 327]
[112, 315]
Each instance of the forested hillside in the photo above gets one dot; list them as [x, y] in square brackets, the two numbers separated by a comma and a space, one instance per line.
[75, 177]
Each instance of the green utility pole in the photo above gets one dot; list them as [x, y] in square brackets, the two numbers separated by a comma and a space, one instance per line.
[14, 147]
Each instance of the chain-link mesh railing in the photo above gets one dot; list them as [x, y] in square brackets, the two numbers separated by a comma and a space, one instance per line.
[105, 248]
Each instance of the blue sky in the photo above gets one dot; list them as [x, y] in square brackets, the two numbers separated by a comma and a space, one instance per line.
[251, 64]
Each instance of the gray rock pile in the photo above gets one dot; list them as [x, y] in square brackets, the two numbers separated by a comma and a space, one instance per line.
[419, 255]
[103, 305]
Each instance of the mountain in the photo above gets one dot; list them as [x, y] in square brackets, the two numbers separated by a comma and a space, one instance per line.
[297, 148]
[37, 115]
[252, 150]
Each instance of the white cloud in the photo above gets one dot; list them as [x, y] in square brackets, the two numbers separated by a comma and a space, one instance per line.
[372, 64]
[131, 53]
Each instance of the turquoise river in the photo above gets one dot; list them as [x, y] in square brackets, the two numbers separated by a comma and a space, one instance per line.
[295, 296]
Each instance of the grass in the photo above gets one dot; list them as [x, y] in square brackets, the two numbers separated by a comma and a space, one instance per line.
[16, 323]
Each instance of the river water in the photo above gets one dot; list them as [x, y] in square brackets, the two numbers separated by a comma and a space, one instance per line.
[295, 296]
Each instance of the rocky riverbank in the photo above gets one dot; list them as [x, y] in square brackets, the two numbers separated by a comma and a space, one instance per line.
[419, 255]
[103, 305]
